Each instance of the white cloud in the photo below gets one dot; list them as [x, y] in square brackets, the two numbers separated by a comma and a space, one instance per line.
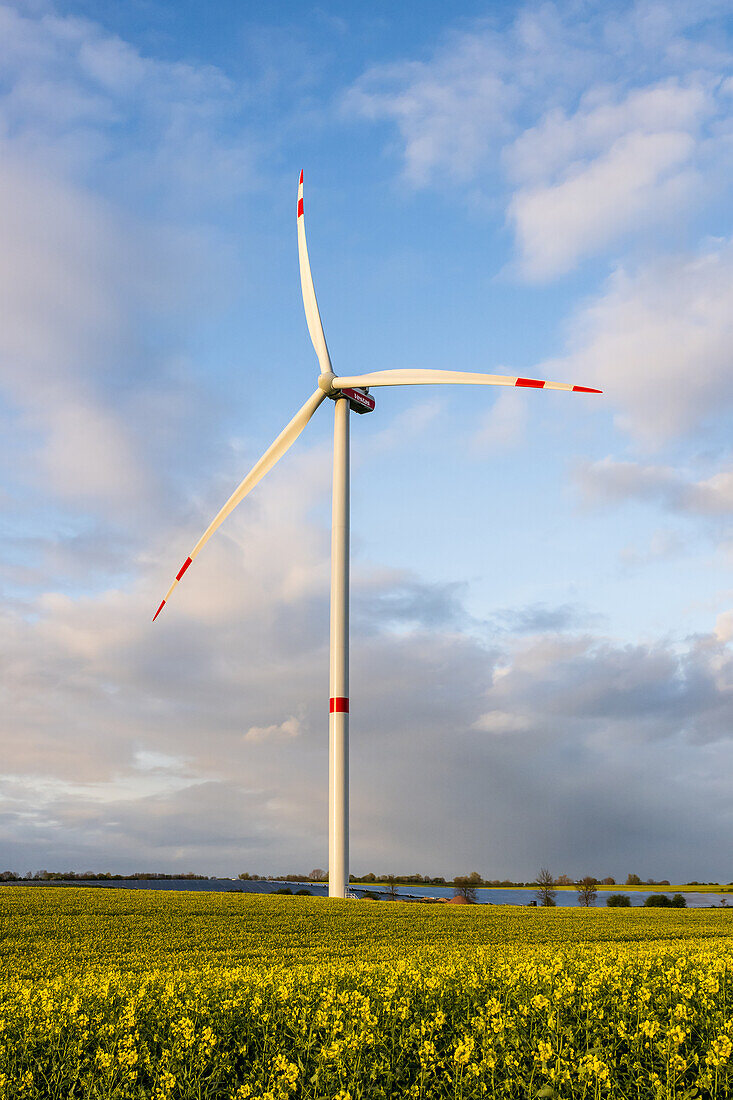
[290, 727]
[658, 342]
[158, 761]
[501, 722]
[79, 284]
[611, 480]
[562, 139]
[84, 283]
[641, 178]
[404, 427]
[724, 627]
[447, 111]
[590, 177]
[504, 425]
[605, 122]
[68, 84]
[456, 110]
[662, 544]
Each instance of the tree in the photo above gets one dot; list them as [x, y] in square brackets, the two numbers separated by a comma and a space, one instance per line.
[661, 901]
[633, 880]
[587, 890]
[609, 881]
[616, 900]
[466, 886]
[658, 901]
[391, 884]
[564, 880]
[545, 887]
[317, 875]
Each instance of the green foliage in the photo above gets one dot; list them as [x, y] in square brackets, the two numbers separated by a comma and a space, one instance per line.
[466, 886]
[661, 901]
[617, 901]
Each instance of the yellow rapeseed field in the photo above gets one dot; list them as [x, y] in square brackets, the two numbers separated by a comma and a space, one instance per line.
[116, 993]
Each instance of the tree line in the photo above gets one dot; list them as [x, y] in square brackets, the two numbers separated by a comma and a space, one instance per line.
[94, 876]
[545, 883]
[587, 888]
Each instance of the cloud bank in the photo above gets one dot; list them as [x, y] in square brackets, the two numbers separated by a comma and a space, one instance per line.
[592, 125]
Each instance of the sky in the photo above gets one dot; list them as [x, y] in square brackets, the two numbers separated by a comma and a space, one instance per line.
[542, 582]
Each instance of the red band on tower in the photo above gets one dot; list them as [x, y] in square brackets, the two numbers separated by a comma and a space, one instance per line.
[339, 705]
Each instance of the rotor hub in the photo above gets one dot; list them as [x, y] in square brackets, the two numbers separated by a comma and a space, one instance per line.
[359, 398]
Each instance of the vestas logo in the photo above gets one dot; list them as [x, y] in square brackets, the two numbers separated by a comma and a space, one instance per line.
[360, 402]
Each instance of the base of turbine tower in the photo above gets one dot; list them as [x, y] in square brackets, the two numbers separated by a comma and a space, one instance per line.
[338, 871]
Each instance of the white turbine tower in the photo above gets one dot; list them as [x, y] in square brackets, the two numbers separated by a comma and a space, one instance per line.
[350, 393]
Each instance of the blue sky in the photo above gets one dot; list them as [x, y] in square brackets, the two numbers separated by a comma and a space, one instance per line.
[542, 584]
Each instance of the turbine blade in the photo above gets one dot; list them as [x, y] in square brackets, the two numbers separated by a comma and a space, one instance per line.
[312, 316]
[272, 455]
[447, 377]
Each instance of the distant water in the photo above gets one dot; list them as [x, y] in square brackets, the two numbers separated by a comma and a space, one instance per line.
[520, 896]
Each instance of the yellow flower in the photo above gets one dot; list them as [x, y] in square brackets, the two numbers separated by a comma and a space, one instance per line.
[720, 1051]
[544, 1051]
[677, 1035]
[463, 1052]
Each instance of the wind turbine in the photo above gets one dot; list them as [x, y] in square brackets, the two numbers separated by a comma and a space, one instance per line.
[348, 394]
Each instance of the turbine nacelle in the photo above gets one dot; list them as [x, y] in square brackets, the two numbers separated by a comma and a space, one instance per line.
[360, 400]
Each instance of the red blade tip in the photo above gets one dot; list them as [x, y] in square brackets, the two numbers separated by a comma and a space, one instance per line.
[155, 616]
[301, 176]
[585, 389]
[183, 569]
